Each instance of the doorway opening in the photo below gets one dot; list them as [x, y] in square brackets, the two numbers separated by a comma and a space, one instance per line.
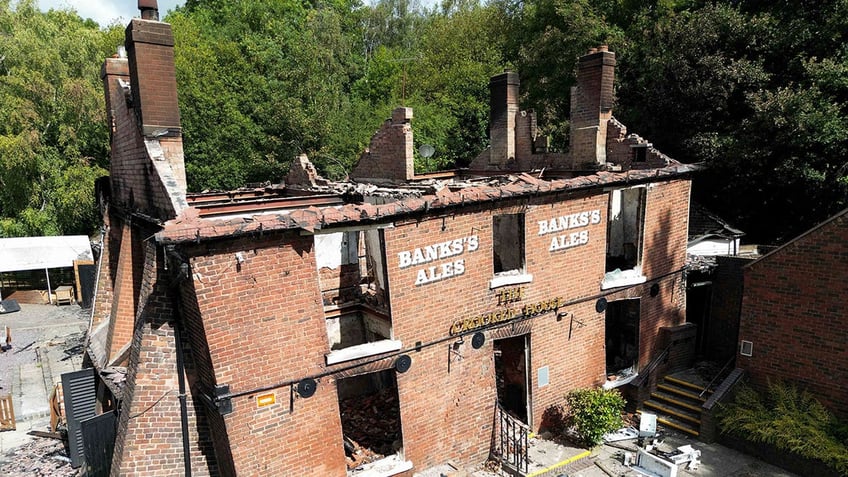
[622, 338]
[370, 415]
[512, 359]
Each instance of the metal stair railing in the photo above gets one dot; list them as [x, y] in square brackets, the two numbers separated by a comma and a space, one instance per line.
[512, 440]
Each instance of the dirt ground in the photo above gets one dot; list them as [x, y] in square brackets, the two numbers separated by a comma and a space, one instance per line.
[47, 341]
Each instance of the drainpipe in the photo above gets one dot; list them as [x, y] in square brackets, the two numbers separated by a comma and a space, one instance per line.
[96, 285]
[183, 405]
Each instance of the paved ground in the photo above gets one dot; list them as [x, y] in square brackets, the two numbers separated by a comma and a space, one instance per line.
[549, 459]
[46, 342]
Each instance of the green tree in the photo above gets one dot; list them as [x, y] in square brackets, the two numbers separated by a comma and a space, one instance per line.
[743, 90]
[259, 82]
[544, 40]
[53, 139]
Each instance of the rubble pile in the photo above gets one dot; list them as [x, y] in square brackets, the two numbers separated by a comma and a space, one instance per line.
[38, 458]
[371, 426]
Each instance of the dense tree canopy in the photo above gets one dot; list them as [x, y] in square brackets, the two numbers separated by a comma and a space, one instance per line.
[756, 90]
[53, 136]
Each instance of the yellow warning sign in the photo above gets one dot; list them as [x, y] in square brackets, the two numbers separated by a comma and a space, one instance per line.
[266, 399]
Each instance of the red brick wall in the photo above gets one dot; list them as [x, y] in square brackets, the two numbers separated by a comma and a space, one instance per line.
[127, 283]
[149, 438]
[620, 152]
[390, 154]
[202, 380]
[264, 324]
[261, 322]
[793, 310]
[460, 402]
[135, 182]
[102, 307]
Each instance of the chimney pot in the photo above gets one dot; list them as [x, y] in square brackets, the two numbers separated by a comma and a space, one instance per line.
[149, 9]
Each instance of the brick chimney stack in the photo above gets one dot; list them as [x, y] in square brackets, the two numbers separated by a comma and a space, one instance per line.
[503, 102]
[149, 9]
[591, 107]
[150, 48]
[113, 70]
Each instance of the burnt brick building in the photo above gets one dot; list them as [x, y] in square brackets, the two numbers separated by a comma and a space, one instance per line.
[259, 328]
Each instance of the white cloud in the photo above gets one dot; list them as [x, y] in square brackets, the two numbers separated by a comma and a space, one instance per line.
[106, 12]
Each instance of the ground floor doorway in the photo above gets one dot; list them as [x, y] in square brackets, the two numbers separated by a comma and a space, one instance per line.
[622, 338]
[512, 359]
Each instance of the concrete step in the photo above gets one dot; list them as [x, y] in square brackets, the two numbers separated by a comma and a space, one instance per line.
[663, 409]
[676, 424]
[681, 392]
[695, 388]
[29, 394]
[677, 401]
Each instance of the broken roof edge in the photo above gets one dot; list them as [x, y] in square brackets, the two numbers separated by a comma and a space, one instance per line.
[189, 227]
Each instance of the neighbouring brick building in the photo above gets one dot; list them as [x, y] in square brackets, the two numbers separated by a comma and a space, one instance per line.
[254, 324]
[793, 324]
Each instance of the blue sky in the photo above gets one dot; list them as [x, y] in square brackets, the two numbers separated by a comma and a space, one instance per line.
[105, 12]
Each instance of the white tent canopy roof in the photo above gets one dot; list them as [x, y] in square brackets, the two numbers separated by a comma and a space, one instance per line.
[38, 253]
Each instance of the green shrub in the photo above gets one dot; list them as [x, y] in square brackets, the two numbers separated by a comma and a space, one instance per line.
[787, 419]
[594, 412]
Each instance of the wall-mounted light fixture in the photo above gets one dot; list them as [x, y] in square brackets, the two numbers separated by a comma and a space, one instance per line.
[655, 289]
[478, 340]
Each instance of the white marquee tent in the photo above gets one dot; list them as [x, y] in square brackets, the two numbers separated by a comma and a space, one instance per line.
[42, 253]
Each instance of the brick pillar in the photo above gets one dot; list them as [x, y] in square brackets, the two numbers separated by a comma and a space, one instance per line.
[402, 142]
[681, 338]
[390, 155]
[102, 307]
[503, 103]
[591, 107]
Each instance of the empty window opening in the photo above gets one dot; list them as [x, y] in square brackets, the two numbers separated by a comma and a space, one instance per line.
[640, 153]
[351, 268]
[352, 277]
[626, 225]
[371, 426]
[511, 363]
[622, 339]
[356, 328]
[508, 243]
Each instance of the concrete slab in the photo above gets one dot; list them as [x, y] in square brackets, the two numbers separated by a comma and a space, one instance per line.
[28, 393]
[548, 457]
[13, 439]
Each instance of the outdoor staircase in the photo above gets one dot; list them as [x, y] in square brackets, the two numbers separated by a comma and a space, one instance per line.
[677, 404]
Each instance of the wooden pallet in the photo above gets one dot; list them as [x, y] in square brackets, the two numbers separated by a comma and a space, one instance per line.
[7, 413]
